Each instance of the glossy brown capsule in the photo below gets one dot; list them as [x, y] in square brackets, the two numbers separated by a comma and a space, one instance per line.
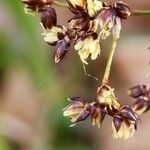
[48, 18]
[139, 90]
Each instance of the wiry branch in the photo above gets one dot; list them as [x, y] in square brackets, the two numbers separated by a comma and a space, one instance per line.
[133, 13]
[140, 13]
[60, 4]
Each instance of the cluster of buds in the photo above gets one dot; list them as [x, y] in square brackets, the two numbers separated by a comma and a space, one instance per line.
[93, 21]
[124, 118]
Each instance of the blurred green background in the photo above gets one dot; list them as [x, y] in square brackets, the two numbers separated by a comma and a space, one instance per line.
[34, 89]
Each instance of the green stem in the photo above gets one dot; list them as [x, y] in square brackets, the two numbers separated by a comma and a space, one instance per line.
[109, 62]
[140, 13]
[60, 4]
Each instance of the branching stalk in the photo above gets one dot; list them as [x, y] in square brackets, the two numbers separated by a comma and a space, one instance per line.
[140, 13]
[133, 13]
[109, 62]
[60, 4]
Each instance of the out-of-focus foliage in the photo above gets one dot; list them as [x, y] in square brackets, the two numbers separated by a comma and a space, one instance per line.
[21, 42]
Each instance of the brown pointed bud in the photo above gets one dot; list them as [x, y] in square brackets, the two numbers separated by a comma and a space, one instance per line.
[117, 120]
[123, 10]
[60, 50]
[138, 90]
[98, 113]
[48, 18]
[128, 113]
[74, 99]
[80, 22]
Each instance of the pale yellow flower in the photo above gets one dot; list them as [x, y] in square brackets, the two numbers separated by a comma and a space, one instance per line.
[125, 131]
[87, 47]
[93, 6]
[51, 36]
[75, 3]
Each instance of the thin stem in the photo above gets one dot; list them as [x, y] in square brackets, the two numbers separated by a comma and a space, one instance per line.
[109, 62]
[133, 13]
[140, 13]
[60, 4]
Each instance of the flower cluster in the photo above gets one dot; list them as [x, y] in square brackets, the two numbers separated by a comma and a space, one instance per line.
[124, 118]
[92, 22]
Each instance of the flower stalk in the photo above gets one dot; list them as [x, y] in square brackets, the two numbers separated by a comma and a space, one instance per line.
[140, 13]
[133, 13]
[60, 4]
[109, 62]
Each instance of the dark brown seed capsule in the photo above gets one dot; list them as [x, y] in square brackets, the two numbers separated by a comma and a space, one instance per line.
[48, 18]
[117, 119]
[61, 50]
[128, 113]
[138, 90]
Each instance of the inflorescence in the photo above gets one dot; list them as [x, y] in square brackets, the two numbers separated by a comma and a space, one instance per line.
[93, 21]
